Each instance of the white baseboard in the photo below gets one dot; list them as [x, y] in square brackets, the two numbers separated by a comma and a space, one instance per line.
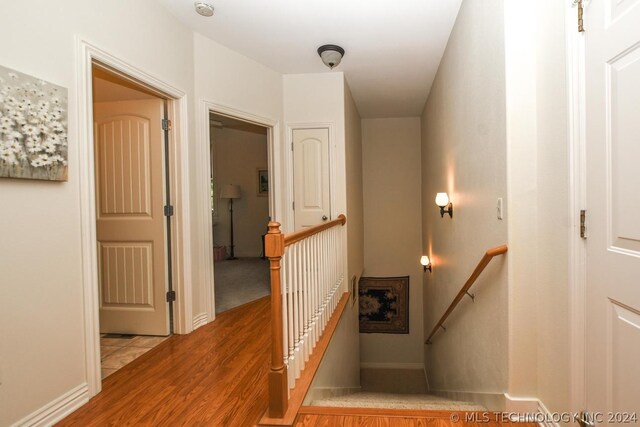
[530, 405]
[376, 365]
[200, 320]
[57, 409]
[546, 415]
[326, 392]
[492, 401]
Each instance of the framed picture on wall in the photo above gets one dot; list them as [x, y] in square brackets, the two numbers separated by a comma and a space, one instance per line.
[263, 182]
[33, 127]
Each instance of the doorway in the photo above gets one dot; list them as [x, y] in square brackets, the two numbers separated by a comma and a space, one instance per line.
[240, 193]
[133, 231]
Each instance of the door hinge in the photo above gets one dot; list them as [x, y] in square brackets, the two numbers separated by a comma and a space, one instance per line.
[166, 124]
[583, 224]
[580, 4]
[293, 205]
[171, 296]
[168, 210]
[292, 146]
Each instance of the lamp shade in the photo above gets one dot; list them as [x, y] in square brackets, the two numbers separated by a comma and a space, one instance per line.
[442, 199]
[230, 191]
[424, 260]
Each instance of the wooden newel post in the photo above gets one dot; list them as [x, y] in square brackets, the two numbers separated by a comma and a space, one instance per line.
[278, 384]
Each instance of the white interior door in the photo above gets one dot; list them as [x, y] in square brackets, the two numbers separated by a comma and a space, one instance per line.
[129, 152]
[613, 206]
[311, 181]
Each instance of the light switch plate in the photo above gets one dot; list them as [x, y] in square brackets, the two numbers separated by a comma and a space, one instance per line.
[499, 208]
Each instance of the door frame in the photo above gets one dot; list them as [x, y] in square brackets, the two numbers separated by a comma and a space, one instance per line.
[576, 133]
[330, 126]
[86, 54]
[203, 176]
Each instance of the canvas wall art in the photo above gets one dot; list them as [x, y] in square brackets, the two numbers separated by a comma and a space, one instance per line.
[33, 128]
[384, 305]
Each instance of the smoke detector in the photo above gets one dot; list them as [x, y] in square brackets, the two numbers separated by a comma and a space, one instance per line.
[204, 9]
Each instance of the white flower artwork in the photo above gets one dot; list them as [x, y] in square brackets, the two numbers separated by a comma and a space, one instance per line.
[33, 128]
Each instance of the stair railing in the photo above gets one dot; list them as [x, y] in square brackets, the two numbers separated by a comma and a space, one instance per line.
[486, 259]
[307, 272]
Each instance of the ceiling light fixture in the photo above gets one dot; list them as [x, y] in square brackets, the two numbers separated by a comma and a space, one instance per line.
[204, 9]
[331, 55]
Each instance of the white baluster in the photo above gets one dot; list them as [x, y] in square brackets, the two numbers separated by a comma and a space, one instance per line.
[285, 322]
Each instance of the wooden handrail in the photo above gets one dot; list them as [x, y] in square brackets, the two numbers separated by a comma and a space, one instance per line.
[305, 233]
[488, 256]
[275, 245]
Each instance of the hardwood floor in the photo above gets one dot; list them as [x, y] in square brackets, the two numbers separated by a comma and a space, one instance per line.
[329, 420]
[215, 376]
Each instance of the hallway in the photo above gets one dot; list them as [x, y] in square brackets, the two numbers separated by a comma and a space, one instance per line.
[214, 376]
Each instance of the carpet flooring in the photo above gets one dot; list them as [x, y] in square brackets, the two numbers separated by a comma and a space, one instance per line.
[240, 281]
[397, 401]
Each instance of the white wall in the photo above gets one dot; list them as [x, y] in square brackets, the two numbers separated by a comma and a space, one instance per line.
[238, 155]
[354, 183]
[42, 323]
[538, 175]
[464, 154]
[392, 231]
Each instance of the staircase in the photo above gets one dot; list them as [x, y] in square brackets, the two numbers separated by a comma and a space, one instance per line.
[423, 402]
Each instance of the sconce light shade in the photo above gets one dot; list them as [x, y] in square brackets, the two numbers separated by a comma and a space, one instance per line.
[426, 263]
[230, 191]
[442, 200]
[331, 55]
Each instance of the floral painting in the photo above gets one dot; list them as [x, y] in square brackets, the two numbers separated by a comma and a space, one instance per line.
[33, 128]
[384, 305]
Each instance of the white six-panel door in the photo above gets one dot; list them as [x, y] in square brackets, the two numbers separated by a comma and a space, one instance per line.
[311, 183]
[131, 225]
[613, 206]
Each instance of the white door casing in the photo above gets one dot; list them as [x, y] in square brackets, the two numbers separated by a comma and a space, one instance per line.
[612, 76]
[311, 177]
[130, 222]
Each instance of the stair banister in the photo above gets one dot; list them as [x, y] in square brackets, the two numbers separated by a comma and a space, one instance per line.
[278, 388]
[486, 259]
[307, 273]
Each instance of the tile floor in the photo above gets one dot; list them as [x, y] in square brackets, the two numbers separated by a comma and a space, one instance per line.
[119, 350]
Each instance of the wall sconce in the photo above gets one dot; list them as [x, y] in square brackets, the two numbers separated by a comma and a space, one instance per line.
[426, 263]
[442, 200]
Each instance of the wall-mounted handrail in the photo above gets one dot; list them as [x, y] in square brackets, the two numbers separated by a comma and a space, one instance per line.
[307, 273]
[486, 259]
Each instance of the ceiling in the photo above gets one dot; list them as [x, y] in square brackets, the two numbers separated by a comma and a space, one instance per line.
[108, 87]
[218, 121]
[393, 48]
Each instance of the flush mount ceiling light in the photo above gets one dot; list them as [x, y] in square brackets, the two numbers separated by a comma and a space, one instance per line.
[204, 9]
[331, 55]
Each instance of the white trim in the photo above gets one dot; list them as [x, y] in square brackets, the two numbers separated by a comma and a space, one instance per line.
[391, 365]
[492, 401]
[57, 409]
[575, 45]
[200, 320]
[546, 416]
[86, 53]
[203, 172]
[320, 393]
[521, 405]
